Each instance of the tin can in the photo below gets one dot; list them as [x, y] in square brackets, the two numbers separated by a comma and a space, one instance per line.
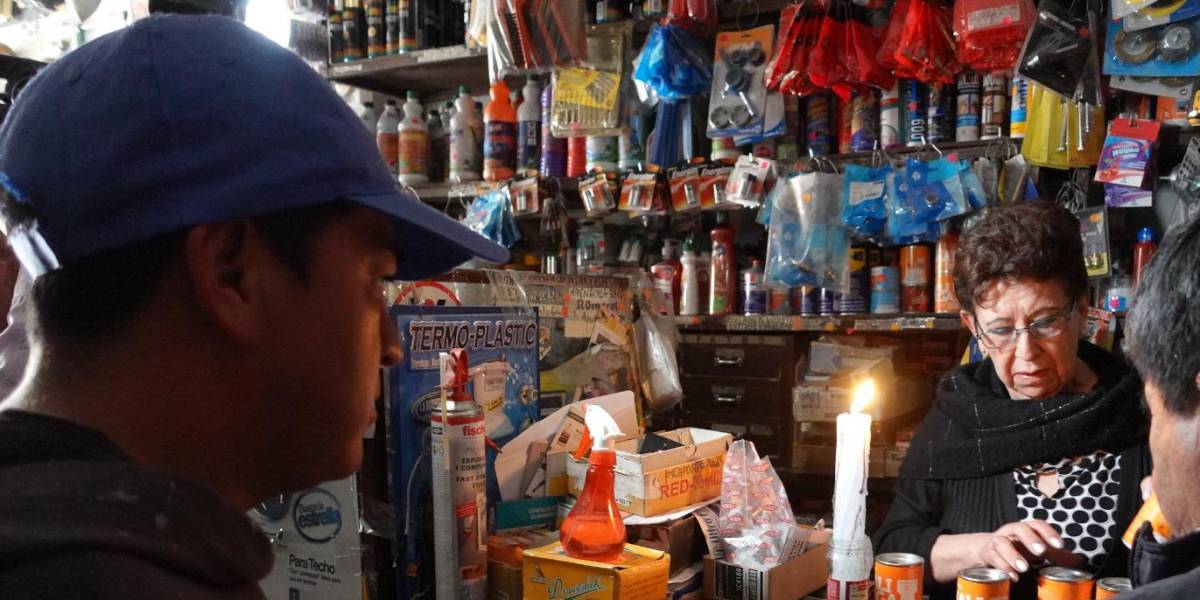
[337, 33]
[995, 106]
[982, 583]
[899, 576]
[885, 290]
[940, 114]
[817, 127]
[805, 300]
[864, 121]
[1109, 587]
[459, 501]
[827, 301]
[836, 589]
[944, 298]
[753, 291]
[916, 111]
[376, 29]
[914, 278]
[1062, 583]
[855, 299]
[845, 121]
[1018, 114]
[777, 300]
[966, 116]
[889, 118]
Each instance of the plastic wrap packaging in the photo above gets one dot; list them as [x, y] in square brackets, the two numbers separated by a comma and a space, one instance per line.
[587, 100]
[673, 64]
[794, 77]
[738, 96]
[807, 243]
[992, 32]
[1059, 44]
[657, 339]
[490, 215]
[844, 56]
[919, 43]
[935, 192]
[696, 15]
[533, 36]
[477, 25]
[756, 523]
[864, 199]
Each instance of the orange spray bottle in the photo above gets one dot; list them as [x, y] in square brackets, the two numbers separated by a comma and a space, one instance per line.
[593, 530]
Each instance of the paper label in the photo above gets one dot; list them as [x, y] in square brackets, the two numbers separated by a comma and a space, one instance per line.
[709, 526]
[993, 17]
[861, 191]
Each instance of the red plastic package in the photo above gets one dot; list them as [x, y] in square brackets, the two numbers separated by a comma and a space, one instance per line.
[991, 32]
[796, 80]
[926, 49]
[693, 14]
[789, 30]
[827, 64]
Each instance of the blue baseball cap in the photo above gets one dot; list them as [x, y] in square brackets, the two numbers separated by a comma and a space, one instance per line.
[182, 120]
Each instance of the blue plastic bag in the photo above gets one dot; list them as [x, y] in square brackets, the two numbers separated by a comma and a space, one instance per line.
[864, 202]
[490, 215]
[673, 64]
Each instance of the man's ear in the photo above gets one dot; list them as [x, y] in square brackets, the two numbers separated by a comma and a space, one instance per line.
[220, 263]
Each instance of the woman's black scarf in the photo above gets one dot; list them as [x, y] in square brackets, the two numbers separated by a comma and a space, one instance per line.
[975, 429]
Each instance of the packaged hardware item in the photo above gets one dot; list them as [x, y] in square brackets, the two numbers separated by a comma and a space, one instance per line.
[807, 242]
[750, 180]
[1161, 13]
[864, 208]
[738, 97]
[1126, 157]
[685, 189]
[597, 196]
[642, 194]
[503, 345]
[1056, 52]
[1165, 51]
[534, 35]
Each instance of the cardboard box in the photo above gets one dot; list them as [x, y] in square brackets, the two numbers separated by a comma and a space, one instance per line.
[660, 482]
[821, 459]
[504, 581]
[793, 579]
[550, 574]
[822, 402]
[827, 355]
[677, 537]
[557, 481]
[533, 513]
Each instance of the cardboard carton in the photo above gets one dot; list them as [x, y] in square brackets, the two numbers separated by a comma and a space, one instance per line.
[549, 574]
[792, 579]
[677, 537]
[660, 482]
[832, 355]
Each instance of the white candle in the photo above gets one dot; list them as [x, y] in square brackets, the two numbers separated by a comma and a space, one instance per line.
[850, 474]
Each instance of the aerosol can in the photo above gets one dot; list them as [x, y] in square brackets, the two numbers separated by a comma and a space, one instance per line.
[459, 486]
[593, 530]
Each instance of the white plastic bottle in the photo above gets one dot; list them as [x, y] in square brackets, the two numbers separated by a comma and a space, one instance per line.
[369, 116]
[689, 303]
[387, 136]
[529, 129]
[466, 137]
[413, 164]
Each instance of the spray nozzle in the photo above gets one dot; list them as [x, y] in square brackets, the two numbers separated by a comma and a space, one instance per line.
[600, 431]
[457, 377]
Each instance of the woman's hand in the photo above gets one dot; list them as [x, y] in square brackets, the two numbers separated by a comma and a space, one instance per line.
[1011, 548]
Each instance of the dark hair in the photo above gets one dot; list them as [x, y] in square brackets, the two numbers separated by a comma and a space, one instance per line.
[97, 295]
[1162, 335]
[1034, 240]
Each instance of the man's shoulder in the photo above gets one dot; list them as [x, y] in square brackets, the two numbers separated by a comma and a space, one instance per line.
[28, 437]
[1184, 586]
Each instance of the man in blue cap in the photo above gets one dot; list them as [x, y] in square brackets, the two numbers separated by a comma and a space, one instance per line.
[209, 229]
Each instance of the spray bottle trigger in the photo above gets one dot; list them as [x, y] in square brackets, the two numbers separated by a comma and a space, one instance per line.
[585, 443]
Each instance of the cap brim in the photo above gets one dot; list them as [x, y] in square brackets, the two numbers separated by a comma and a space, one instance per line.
[428, 242]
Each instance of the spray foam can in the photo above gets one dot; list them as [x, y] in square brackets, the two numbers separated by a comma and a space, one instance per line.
[864, 121]
[459, 486]
[940, 116]
[1018, 113]
[915, 99]
[820, 138]
[995, 106]
[889, 118]
[966, 120]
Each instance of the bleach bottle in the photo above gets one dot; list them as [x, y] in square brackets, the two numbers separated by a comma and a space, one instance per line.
[413, 165]
[593, 530]
[529, 129]
[466, 137]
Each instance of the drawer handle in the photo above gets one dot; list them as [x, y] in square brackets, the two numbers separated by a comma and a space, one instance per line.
[728, 398]
[733, 361]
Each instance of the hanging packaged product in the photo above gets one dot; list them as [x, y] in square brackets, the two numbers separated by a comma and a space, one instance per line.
[673, 64]
[737, 100]
[1123, 8]
[972, 186]
[685, 189]
[1161, 13]
[524, 195]
[864, 206]
[924, 48]
[789, 36]
[1093, 228]
[1062, 134]
[934, 191]
[597, 196]
[711, 185]
[1125, 159]
[991, 32]
[640, 195]
[844, 55]
[1056, 52]
[807, 244]
[490, 215]
[792, 69]
[1165, 51]
[697, 15]
[532, 35]
[750, 181]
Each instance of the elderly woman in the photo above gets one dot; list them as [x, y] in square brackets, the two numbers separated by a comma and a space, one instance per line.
[1033, 456]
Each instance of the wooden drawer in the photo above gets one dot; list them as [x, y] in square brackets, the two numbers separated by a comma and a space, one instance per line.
[739, 355]
[736, 396]
[771, 437]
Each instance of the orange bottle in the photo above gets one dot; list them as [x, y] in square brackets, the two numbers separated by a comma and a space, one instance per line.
[593, 530]
[499, 135]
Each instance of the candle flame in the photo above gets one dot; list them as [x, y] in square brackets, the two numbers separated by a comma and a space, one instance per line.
[864, 394]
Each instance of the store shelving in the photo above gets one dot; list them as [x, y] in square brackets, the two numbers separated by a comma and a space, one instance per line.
[423, 71]
[831, 324]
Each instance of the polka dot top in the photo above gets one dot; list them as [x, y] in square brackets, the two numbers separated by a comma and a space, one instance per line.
[1082, 509]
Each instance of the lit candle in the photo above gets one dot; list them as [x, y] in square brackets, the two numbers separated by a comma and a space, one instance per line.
[850, 474]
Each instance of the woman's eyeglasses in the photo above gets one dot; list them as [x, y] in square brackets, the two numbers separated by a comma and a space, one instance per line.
[1004, 338]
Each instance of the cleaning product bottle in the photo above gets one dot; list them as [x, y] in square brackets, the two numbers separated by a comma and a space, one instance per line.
[368, 114]
[593, 530]
[529, 128]
[689, 302]
[413, 165]
[387, 136]
[724, 272]
[1142, 251]
[554, 149]
[668, 275]
[465, 128]
[499, 135]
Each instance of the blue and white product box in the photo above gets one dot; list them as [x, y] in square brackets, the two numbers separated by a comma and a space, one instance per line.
[318, 553]
[502, 348]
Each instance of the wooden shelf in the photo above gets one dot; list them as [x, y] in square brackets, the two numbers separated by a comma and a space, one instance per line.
[423, 71]
[831, 324]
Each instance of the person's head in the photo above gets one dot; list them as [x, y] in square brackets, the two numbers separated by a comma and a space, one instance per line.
[1162, 338]
[1021, 282]
[190, 196]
